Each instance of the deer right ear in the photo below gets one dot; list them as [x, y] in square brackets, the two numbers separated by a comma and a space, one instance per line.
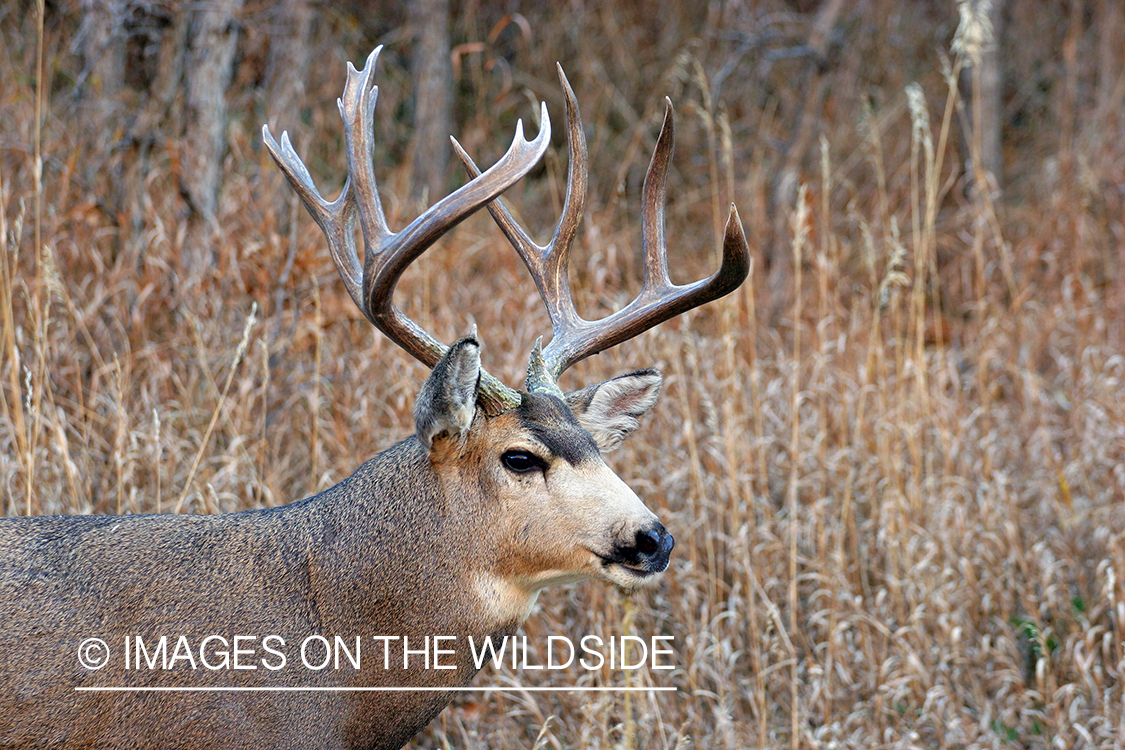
[611, 410]
[447, 401]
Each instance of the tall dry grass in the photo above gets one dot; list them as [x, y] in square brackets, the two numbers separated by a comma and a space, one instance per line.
[892, 461]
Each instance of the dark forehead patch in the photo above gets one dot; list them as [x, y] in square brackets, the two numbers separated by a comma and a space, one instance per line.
[553, 424]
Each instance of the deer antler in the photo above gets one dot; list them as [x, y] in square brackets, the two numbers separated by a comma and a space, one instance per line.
[575, 338]
[387, 254]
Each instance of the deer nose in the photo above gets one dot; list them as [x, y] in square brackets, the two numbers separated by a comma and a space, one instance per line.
[652, 547]
[648, 540]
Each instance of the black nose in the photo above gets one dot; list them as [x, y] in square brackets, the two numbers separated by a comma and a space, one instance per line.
[650, 549]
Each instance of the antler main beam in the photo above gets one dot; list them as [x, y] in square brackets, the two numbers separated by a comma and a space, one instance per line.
[575, 338]
[387, 254]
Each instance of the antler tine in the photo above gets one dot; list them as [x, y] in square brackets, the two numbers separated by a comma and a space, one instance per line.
[654, 195]
[335, 218]
[575, 338]
[549, 264]
[387, 254]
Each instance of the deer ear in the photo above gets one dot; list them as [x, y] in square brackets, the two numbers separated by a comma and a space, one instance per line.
[447, 401]
[611, 410]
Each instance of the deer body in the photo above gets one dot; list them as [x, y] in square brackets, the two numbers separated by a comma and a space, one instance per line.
[347, 562]
[451, 533]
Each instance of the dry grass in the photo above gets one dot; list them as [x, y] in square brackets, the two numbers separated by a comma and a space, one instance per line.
[892, 462]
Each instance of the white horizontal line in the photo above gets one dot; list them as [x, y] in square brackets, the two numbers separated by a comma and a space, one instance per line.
[374, 689]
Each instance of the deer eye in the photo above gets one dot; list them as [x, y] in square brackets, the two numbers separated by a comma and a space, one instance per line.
[521, 462]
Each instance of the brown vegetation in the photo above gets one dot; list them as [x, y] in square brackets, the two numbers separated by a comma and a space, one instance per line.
[893, 463]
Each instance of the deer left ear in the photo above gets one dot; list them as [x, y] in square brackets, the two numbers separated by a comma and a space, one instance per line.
[611, 410]
[447, 401]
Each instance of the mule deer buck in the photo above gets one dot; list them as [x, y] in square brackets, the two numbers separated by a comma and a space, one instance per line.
[451, 532]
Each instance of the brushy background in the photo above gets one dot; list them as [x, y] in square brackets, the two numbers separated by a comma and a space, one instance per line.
[893, 461]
